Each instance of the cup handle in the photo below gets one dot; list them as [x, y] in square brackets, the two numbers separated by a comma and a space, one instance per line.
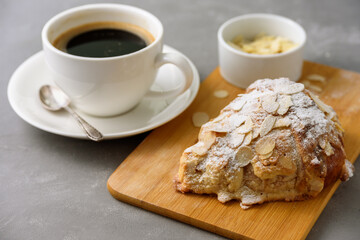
[183, 64]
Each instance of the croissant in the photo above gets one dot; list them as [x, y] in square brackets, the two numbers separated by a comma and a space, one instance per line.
[278, 141]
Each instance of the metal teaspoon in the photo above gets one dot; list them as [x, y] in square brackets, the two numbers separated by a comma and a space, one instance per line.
[53, 99]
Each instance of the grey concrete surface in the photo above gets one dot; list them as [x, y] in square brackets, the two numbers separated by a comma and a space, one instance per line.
[52, 187]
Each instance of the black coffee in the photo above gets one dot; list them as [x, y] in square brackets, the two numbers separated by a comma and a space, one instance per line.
[104, 39]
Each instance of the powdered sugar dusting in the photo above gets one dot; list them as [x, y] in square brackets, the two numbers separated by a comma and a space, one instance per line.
[349, 168]
[304, 114]
[250, 118]
[315, 161]
[306, 118]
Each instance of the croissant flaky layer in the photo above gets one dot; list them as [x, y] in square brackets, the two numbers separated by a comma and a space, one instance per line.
[278, 141]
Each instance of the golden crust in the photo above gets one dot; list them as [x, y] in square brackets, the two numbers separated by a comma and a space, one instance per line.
[255, 154]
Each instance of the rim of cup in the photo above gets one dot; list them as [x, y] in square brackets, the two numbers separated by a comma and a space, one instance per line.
[234, 20]
[110, 6]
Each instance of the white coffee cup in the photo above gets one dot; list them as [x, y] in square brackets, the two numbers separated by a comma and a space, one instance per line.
[241, 68]
[112, 85]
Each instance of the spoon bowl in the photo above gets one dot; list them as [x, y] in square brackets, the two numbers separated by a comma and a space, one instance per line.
[53, 99]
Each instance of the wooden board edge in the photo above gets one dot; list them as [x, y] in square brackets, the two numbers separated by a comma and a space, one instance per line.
[324, 203]
[201, 224]
[173, 215]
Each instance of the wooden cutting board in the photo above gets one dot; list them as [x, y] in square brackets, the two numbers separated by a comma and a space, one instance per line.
[145, 178]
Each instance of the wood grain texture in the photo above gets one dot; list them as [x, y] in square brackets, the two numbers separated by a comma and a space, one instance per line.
[145, 178]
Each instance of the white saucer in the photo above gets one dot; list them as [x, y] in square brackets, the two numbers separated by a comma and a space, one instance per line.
[33, 73]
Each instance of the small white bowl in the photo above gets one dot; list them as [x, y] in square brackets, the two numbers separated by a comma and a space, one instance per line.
[241, 68]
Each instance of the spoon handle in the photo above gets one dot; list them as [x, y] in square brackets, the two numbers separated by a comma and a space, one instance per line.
[90, 131]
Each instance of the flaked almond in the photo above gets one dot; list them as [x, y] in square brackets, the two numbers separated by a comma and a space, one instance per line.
[267, 125]
[265, 145]
[306, 83]
[315, 88]
[321, 105]
[284, 102]
[286, 162]
[221, 93]
[247, 127]
[234, 45]
[331, 115]
[339, 127]
[244, 156]
[328, 149]
[282, 122]
[219, 118]
[265, 156]
[199, 118]
[269, 103]
[200, 148]
[236, 139]
[256, 132]
[238, 104]
[207, 136]
[226, 125]
[206, 140]
[292, 89]
[311, 86]
[221, 128]
[248, 138]
[236, 120]
[316, 77]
